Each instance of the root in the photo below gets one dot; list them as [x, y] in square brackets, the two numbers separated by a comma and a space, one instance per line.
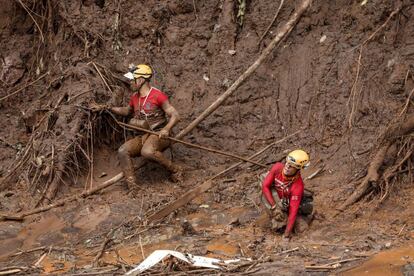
[373, 177]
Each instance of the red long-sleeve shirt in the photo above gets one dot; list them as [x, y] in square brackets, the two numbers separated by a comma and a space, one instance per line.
[286, 188]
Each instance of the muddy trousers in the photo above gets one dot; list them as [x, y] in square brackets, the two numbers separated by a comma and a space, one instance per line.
[148, 146]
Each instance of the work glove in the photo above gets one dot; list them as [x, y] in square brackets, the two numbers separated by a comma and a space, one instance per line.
[277, 213]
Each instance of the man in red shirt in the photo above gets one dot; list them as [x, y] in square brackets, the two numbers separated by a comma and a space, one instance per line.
[148, 107]
[283, 188]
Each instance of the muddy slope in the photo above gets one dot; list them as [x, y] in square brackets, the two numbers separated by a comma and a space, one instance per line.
[311, 82]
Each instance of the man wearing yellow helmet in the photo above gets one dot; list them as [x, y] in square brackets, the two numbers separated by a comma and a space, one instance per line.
[283, 188]
[148, 107]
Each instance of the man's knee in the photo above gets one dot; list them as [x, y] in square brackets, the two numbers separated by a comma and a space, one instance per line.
[147, 152]
[123, 151]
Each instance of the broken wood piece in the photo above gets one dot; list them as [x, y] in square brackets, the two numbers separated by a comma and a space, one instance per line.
[332, 265]
[11, 271]
[37, 264]
[284, 31]
[10, 217]
[288, 251]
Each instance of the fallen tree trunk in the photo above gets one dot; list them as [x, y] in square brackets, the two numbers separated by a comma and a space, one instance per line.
[373, 175]
[285, 30]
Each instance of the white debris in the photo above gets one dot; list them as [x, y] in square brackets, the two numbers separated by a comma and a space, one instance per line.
[158, 255]
[364, 2]
[206, 78]
[232, 52]
[323, 38]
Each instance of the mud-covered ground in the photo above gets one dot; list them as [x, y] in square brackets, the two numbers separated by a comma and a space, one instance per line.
[312, 82]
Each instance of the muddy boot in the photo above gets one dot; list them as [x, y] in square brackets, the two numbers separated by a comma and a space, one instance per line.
[132, 186]
[177, 175]
[301, 225]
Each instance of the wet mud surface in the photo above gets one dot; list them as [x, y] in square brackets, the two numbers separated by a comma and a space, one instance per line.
[198, 49]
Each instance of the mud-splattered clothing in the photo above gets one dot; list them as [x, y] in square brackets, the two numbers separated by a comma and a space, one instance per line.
[149, 108]
[288, 190]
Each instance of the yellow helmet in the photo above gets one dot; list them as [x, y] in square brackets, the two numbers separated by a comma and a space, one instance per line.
[139, 71]
[298, 159]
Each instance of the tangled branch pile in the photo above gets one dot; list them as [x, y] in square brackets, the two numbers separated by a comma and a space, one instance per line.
[61, 131]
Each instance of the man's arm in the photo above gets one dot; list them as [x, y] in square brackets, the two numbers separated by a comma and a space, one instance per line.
[122, 111]
[267, 184]
[294, 203]
[174, 117]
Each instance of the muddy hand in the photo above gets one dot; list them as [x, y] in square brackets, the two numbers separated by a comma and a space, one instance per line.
[94, 107]
[163, 133]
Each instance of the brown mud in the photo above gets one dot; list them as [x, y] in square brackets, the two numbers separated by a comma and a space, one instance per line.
[310, 82]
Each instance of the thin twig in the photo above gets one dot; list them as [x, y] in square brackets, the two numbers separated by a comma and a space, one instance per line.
[406, 103]
[30, 14]
[271, 23]
[353, 90]
[142, 249]
[103, 79]
[103, 245]
[25, 86]
[397, 10]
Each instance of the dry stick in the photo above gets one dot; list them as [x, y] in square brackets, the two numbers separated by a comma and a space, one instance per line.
[285, 30]
[103, 79]
[397, 10]
[25, 86]
[271, 23]
[353, 89]
[63, 201]
[330, 265]
[30, 14]
[193, 145]
[103, 245]
[91, 183]
[142, 249]
[406, 103]
[190, 195]
[11, 271]
[288, 251]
